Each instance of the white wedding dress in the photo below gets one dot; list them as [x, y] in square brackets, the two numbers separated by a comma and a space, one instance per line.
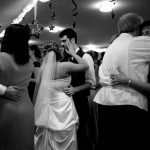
[56, 118]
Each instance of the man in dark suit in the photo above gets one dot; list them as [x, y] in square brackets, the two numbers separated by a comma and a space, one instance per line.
[80, 85]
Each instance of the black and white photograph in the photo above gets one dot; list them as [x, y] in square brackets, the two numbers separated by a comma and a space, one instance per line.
[74, 74]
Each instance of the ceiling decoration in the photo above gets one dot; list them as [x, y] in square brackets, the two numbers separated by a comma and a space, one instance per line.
[74, 13]
[92, 26]
[22, 14]
[52, 17]
[112, 11]
[35, 27]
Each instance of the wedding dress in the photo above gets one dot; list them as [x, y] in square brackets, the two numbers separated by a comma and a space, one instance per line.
[55, 114]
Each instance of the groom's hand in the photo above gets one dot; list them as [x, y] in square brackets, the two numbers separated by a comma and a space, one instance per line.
[70, 90]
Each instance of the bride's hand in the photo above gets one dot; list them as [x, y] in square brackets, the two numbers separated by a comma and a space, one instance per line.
[70, 49]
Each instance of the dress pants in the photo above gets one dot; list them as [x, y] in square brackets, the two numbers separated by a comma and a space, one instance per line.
[81, 104]
[122, 127]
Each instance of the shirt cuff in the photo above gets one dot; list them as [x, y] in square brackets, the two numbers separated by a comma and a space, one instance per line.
[2, 89]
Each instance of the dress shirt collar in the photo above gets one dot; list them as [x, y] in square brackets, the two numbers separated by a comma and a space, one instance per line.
[77, 49]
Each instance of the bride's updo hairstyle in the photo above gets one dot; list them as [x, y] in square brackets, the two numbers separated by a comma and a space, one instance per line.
[52, 46]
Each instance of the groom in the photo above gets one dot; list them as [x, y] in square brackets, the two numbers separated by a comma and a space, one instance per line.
[80, 85]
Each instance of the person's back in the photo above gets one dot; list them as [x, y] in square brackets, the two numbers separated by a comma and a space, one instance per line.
[118, 49]
[16, 117]
[14, 74]
[139, 56]
[119, 104]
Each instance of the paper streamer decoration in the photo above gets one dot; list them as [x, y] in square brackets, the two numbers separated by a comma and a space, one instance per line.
[51, 27]
[74, 13]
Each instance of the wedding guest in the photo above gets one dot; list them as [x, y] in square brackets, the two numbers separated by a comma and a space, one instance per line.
[16, 117]
[122, 110]
[36, 57]
[145, 28]
[10, 92]
[142, 87]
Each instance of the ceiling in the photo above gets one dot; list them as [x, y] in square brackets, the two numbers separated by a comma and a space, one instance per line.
[92, 26]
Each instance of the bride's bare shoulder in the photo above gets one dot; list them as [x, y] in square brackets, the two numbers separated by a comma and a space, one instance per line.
[62, 69]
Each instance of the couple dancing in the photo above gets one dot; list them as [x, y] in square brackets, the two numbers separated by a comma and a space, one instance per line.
[55, 114]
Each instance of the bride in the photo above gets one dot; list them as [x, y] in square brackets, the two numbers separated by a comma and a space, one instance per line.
[55, 114]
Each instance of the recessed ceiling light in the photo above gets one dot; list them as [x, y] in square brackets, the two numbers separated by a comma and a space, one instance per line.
[55, 29]
[43, 1]
[93, 47]
[107, 6]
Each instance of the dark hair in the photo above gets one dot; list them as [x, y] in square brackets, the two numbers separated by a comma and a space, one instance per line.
[36, 51]
[70, 33]
[93, 54]
[52, 46]
[15, 42]
[143, 25]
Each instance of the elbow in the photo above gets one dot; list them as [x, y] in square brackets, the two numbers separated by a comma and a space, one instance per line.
[84, 67]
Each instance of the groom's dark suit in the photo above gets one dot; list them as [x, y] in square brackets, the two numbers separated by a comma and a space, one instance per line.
[81, 102]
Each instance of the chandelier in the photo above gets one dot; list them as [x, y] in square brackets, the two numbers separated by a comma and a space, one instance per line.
[35, 27]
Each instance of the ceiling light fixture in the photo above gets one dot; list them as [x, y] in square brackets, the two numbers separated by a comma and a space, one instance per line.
[107, 6]
[94, 47]
[55, 29]
[43, 1]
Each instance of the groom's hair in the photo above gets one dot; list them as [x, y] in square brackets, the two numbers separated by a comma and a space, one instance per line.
[70, 33]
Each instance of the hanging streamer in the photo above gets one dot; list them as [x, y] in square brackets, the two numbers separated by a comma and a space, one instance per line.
[51, 27]
[74, 12]
[35, 11]
[112, 12]
[75, 5]
[35, 27]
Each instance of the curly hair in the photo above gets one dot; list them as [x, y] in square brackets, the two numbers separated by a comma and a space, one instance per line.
[15, 42]
[52, 46]
[129, 22]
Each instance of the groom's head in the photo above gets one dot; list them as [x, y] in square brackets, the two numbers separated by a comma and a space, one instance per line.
[68, 35]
